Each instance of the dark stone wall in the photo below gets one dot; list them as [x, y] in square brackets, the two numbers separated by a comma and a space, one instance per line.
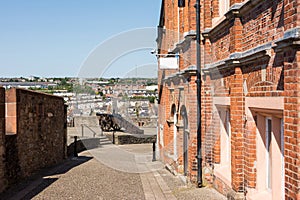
[3, 182]
[131, 139]
[40, 138]
[12, 164]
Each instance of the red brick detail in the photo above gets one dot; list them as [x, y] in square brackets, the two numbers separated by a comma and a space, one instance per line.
[11, 111]
[237, 105]
[291, 123]
[207, 13]
[217, 139]
[250, 154]
[236, 36]
[215, 8]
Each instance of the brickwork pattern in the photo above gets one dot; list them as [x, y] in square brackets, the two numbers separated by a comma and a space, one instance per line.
[291, 123]
[242, 59]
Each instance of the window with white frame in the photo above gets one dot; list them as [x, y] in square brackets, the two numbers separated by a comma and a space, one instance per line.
[270, 155]
[219, 9]
[223, 7]
[269, 152]
[225, 142]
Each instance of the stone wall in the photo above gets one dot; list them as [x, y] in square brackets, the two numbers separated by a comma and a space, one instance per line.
[3, 182]
[123, 138]
[36, 132]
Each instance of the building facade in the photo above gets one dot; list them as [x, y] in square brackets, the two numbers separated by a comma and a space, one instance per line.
[250, 66]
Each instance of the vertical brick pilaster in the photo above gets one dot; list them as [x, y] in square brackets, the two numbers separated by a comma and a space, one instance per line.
[191, 103]
[215, 8]
[192, 15]
[216, 137]
[292, 123]
[11, 111]
[207, 52]
[206, 116]
[2, 140]
[236, 36]
[207, 13]
[250, 154]
[237, 104]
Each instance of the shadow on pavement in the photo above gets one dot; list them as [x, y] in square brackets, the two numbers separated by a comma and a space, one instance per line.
[83, 144]
[30, 187]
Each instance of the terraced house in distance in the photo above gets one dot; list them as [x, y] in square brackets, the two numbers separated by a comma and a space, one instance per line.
[250, 92]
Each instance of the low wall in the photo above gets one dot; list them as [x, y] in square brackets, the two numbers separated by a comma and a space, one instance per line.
[130, 139]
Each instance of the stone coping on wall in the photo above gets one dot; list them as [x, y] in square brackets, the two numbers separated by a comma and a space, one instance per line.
[239, 58]
[290, 38]
[186, 73]
[188, 37]
[36, 93]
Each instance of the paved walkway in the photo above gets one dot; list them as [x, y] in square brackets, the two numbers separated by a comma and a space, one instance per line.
[109, 172]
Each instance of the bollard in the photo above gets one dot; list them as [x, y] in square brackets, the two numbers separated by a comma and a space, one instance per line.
[75, 146]
[154, 155]
[113, 139]
[82, 129]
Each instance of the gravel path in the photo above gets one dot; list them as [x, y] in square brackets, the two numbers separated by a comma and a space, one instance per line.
[85, 177]
[92, 180]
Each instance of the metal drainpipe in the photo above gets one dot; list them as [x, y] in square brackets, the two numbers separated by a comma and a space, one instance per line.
[199, 134]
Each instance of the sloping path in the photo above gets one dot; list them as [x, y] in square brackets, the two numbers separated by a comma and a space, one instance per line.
[110, 172]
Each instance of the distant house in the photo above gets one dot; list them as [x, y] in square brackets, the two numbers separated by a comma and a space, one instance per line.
[27, 85]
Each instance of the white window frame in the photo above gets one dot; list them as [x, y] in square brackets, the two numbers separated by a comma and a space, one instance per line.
[175, 135]
[224, 6]
[228, 130]
[268, 150]
[282, 159]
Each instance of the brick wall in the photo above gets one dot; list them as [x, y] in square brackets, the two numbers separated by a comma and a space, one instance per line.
[271, 73]
[38, 124]
[291, 123]
[237, 130]
[251, 52]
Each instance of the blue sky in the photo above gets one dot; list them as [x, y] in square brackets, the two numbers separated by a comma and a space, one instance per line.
[54, 37]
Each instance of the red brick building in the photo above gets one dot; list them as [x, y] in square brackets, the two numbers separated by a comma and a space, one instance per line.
[250, 111]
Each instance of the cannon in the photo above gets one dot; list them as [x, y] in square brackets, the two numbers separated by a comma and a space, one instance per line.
[108, 122]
